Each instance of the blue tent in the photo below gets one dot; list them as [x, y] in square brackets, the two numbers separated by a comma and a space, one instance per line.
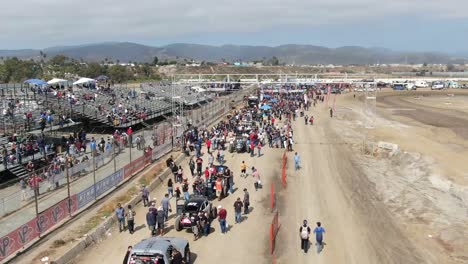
[36, 82]
[265, 107]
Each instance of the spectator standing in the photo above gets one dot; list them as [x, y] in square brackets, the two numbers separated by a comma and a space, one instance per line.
[199, 162]
[145, 195]
[246, 201]
[130, 219]
[222, 214]
[297, 161]
[166, 206]
[208, 145]
[238, 210]
[151, 220]
[185, 190]
[170, 187]
[120, 213]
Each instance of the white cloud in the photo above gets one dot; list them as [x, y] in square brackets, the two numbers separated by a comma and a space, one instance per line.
[58, 21]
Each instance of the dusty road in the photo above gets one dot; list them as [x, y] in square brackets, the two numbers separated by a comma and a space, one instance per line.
[329, 188]
[373, 211]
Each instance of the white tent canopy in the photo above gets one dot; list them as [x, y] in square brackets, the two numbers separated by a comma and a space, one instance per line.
[56, 80]
[84, 80]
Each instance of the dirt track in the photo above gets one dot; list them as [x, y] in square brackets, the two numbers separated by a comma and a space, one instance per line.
[331, 189]
[373, 210]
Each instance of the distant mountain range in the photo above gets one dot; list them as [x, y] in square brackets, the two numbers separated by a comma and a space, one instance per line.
[290, 54]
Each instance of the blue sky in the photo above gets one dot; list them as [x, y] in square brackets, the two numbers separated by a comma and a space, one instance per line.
[411, 25]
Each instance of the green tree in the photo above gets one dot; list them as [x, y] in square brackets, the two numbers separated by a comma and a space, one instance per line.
[155, 60]
[119, 73]
[450, 67]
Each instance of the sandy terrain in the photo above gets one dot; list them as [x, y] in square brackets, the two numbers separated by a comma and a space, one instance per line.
[407, 208]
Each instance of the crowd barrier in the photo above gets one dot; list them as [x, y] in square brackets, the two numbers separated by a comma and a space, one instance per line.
[50, 218]
[274, 228]
[283, 169]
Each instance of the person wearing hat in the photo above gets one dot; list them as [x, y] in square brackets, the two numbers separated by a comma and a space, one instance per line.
[222, 214]
[304, 233]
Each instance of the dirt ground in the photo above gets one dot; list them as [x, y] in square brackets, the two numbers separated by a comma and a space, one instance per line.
[410, 207]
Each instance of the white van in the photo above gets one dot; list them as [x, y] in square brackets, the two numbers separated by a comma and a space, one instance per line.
[421, 84]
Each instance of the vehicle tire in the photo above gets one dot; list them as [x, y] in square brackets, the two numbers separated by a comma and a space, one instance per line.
[187, 257]
[177, 225]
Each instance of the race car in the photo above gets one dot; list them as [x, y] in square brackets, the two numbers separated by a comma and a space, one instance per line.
[158, 250]
[194, 205]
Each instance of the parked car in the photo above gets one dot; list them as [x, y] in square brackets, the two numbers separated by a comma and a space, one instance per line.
[196, 204]
[159, 250]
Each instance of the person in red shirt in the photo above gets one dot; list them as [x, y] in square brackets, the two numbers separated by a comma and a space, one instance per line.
[130, 136]
[208, 145]
[207, 173]
[34, 183]
[222, 214]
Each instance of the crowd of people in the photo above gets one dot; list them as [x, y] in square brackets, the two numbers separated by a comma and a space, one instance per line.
[257, 127]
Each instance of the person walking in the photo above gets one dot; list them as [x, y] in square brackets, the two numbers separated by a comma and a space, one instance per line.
[318, 231]
[151, 220]
[145, 195]
[160, 219]
[120, 213]
[130, 219]
[170, 187]
[192, 167]
[246, 201]
[259, 148]
[24, 188]
[238, 210]
[210, 160]
[243, 169]
[304, 233]
[222, 214]
[297, 161]
[195, 221]
[256, 176]
[166, 206]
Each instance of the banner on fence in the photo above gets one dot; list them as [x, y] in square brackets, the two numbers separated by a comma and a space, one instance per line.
[110, 181]
[52, 216]
[159, 152]
[89, 194]
[134, 166]
[17, 239]
[84, 197]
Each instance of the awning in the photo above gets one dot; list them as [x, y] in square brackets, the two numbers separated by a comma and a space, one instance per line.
[36, 82]
[56, 80]
[84, 80]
